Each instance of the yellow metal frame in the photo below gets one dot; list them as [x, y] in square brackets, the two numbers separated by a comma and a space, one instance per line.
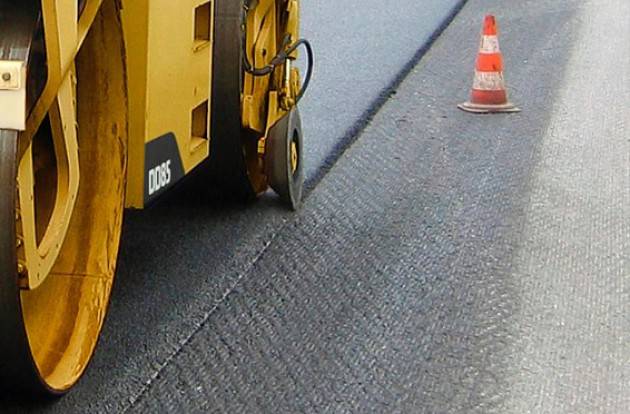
[169, 74]
[64, 36]
[120, 76]
[267, 26]
[67, 272]
[268, 99]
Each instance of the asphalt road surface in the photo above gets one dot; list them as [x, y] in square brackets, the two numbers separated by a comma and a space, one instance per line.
[363, 48]
[446, 263]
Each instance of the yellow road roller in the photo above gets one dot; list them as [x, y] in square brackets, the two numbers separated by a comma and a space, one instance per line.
[105, 105]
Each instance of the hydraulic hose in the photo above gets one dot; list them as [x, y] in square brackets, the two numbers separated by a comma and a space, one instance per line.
[280, 59]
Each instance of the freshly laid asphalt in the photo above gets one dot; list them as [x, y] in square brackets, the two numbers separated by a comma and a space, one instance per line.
[446, 263]
[363, 48]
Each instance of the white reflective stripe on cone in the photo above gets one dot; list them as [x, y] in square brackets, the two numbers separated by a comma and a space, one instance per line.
[489, 45]
[489, 81]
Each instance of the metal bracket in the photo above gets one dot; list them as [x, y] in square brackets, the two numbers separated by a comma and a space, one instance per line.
[12, 95]
[10, 75]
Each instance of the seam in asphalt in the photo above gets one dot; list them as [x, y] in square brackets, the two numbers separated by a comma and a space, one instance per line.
[346, 141]
[147, 385]
[354, 132]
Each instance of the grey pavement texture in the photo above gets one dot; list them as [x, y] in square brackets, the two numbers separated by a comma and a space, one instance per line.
[448, 263]
[362, 49]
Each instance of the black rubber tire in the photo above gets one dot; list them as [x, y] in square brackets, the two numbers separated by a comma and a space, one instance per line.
[288, 184]
[17, 368]
[227, 165]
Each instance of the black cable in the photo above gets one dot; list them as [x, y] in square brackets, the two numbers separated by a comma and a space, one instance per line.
[281, 58]
[276, 61]
[310, 66]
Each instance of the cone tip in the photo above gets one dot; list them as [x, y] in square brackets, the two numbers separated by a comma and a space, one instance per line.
[490, 25]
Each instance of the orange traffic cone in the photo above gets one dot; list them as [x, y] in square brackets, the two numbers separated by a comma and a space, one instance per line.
[489, 94]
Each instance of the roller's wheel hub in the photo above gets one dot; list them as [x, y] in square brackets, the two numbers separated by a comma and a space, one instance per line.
[295, 157]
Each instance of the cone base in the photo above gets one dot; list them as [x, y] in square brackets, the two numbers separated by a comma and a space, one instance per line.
[488, 109]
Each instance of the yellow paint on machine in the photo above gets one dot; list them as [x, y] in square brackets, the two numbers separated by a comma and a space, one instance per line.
[70, 270]
[169, 61]
[120, 74]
